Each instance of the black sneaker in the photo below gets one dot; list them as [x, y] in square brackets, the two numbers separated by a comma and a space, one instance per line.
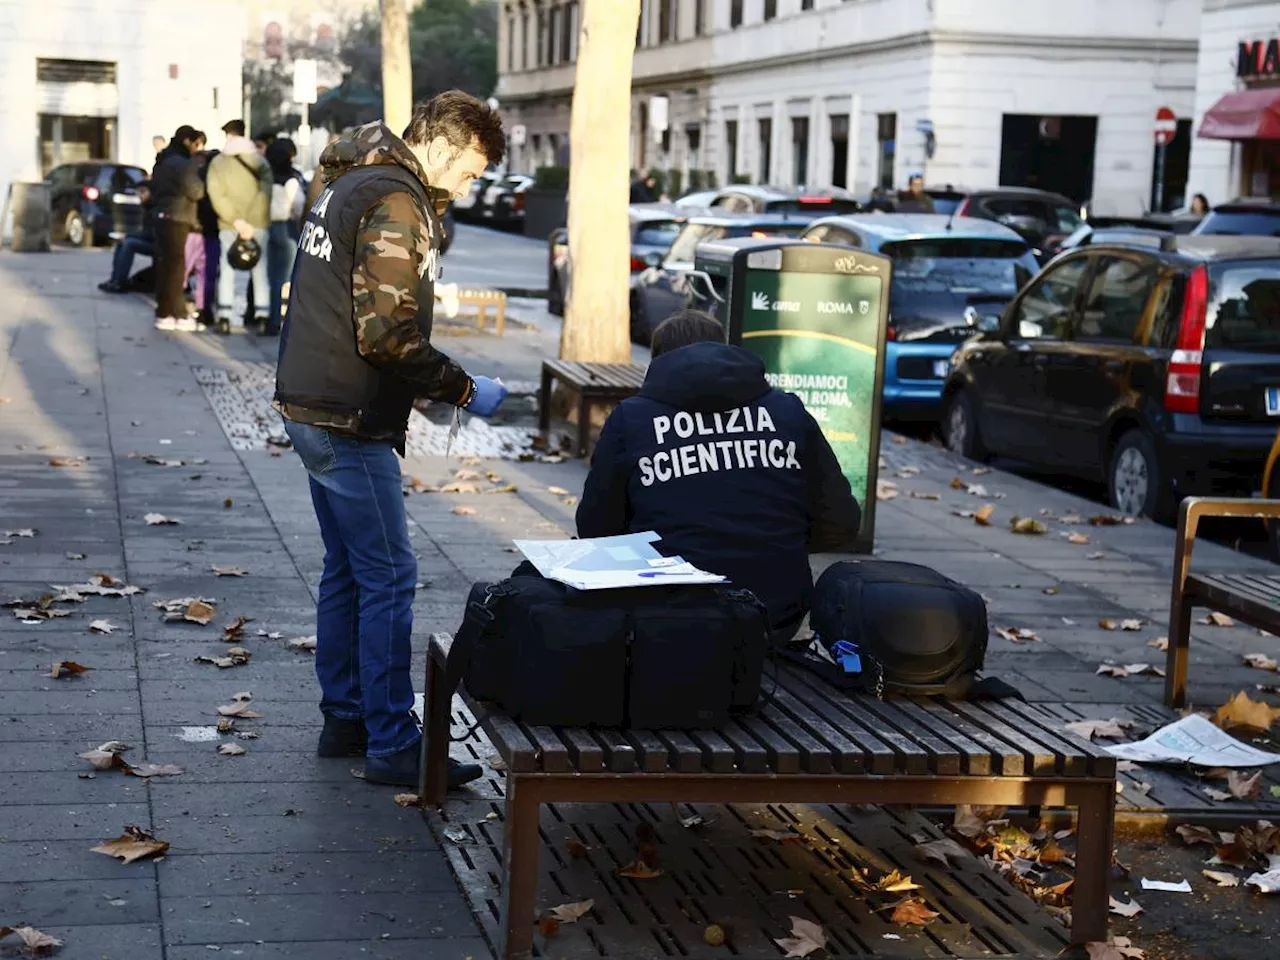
[401, 769]
[343, 738]
[110, 286]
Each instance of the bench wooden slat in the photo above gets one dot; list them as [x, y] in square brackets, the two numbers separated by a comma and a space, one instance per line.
[619, 755]
[850, 757]
[717, 755]
[957, 730]
[944, 759]
[585, 753]
[555, 758]
[1256, 612]
[881, 756]
[651, 752]
[1242, 586]
[1009, 760]
[516, 749]
[1098, 761]
[1265, 584]
[782, 754]
[748, 754]
[815, 756]
[686, 756]
[1072, 762]
[1043, 761]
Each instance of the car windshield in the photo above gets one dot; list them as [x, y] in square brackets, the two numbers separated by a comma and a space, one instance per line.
[682, 250]
[813, 206]
[1243, 223]
[946, 205]
[1244, 307]
[657, 233]
[958, 266]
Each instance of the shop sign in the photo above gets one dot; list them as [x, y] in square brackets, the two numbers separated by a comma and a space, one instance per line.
[1258, 58]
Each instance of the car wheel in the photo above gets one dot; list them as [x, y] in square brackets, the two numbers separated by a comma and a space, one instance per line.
[1135, 483]
[960, 428]
[74, 229]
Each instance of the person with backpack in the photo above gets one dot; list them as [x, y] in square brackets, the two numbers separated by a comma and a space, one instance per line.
[240, 191]
[733, 475]
[287, 194]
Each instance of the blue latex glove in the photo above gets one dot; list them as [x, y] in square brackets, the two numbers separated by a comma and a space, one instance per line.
[487, 396]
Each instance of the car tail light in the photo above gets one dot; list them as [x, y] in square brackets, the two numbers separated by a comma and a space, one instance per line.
[637, 265]
[758, 234]
[1182, 386]
[815, 200]
[90, 193]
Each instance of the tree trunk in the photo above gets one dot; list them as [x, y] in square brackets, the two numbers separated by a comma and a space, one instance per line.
[397, 71]
[597, 315]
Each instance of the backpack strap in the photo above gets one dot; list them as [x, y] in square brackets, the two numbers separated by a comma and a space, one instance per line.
[477, 618]
[870, 680]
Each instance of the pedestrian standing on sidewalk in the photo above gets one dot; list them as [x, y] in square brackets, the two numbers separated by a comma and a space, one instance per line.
[355, 352]
[240, 191]
[175, 190]
[287, 193]
[202, 265]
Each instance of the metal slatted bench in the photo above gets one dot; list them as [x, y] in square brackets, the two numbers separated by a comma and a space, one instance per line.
[594, 383]
[1253, 598]
[809, 743]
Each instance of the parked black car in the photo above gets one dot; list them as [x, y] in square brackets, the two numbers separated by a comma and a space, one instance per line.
[95, 202]
[1249, 218]
[1155, 369]
[653, 228]
[668, 286]
[1041, 218]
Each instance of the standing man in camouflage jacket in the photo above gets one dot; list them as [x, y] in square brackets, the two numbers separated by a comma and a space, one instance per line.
[354, 354]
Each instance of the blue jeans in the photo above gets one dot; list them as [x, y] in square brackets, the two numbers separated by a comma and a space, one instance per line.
[228, 280]
[364, 615]
[282, 246]
[122, 256]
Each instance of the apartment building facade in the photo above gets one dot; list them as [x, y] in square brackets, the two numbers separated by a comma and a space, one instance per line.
[863, 93]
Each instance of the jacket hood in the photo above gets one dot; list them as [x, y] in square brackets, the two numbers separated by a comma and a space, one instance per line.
[240, 145]
[371, 144]
[707, 377]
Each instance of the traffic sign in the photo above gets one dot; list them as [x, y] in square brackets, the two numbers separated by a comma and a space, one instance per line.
[304, 81]
[1166, 126]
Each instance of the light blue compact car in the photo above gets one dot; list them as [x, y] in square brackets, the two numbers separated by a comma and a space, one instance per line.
[952, 277]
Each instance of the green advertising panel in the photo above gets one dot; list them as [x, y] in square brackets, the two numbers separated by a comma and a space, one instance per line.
[820, 333]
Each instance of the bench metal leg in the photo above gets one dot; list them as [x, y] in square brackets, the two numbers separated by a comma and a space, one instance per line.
[584, 423]
[434, 772]
[1095, 835]
[519, 871]
[544, 404]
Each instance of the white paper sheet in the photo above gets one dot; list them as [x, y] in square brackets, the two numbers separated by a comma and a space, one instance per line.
[1182, 886]
[1193, 740]
[607, 563]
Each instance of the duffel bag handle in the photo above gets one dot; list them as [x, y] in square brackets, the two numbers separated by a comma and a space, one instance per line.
[475, 621]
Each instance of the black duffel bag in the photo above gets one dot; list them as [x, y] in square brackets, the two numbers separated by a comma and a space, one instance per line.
[927, 633]
[651, 657]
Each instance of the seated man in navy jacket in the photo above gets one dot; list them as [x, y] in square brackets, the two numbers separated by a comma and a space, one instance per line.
[736, 477]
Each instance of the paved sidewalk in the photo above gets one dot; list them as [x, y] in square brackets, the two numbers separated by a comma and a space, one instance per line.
[277, 854]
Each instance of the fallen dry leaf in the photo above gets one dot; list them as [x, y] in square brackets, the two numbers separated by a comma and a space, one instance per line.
[146, 770]
[1260, 661]
[229, 571]
[1113, 729]
[918, 495]
[1215, 619]
[66, 461]
[895, 882]
[460, 488]
[639, 870]
[806, 937]
[912, 912]
[235, 629]
[572, 912]
[159, 520]
[465, 511]
[983, 517]
[35, 943]
[102, 626]
[231, 750]
[1218, 795]
[558, 491]
[1110, 520]
[1113, 951]
[1160, 643]
[106, 756]
[1244, 787]
[1130, 909]
[1131, 625]
[1107, 624]
[886, 490]
[1193, 834]
[134, 844]
[67, 668]
[1241, 711]
[307, 644]
[407, 800]
[943, 851]
[1079, 539]
[467, 475]
[239, 709]
[1018, 634]
[1027, 525]
[24, 532]
[967, 823]
[1120, 671]
[1221, 878]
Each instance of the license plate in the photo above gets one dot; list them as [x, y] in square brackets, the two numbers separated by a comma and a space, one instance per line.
[1273, 401]
[941, 368]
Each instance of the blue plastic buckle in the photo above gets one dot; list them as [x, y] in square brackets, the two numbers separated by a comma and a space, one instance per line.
[845, 653]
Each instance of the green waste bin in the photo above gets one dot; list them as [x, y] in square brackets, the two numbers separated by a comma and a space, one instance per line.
[816, 315]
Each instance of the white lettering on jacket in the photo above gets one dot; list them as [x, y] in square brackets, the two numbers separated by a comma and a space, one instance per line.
[712, 456]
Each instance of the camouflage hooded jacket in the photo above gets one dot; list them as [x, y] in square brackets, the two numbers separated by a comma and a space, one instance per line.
[394, 260]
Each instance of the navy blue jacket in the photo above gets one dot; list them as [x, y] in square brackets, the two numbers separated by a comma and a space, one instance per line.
[736, 477]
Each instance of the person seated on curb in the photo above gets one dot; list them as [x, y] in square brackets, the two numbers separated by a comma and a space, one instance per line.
[142, 243]
[735, 476]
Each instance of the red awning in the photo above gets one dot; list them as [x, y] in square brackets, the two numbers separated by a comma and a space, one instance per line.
[1245, 115]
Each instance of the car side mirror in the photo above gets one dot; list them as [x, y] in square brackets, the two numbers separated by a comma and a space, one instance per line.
[989, 325]
[653, 259]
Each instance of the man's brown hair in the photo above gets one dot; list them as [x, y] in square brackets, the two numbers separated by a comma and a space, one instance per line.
[462, 120]
[684, 329]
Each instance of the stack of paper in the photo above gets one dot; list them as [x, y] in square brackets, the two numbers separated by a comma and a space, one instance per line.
[607, 563]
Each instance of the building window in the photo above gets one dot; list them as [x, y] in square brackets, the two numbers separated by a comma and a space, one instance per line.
[573, 25]
[511, 43]
[839, 149]
[800, 150]
[566, 32]
[554, 55]
[735, 13]
[540, 56]
[770, 9]
[524, 41]
[886, 138]
[693, 141]
[535, 151]
[764, 138]
[699, 17]
[666, 20]
[806, 4]
[731, 149]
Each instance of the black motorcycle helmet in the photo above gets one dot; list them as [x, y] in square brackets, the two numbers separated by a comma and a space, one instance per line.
[244, 254]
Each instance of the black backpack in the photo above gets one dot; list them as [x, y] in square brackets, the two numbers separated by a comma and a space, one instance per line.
[652, 657]
[927, 633]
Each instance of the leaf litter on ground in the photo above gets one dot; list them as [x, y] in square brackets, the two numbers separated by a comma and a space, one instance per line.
[199, 610]
[35, 943]
[1241, 711]
[133, 845]
[160, 520]
[1027, 525]
[67, 668]
[1121, 671]
[806, 937]
[1113, 729]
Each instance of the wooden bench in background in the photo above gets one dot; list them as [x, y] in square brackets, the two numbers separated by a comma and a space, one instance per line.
[1253, 598]
[594, 383]
[482, 301]
[810, 743]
